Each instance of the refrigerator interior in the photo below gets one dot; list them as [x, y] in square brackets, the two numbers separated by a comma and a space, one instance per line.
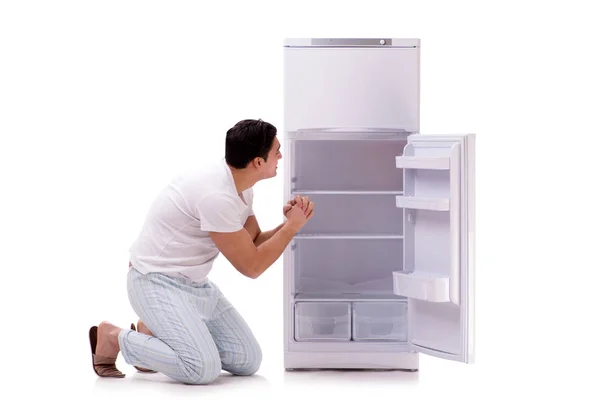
[344, 258]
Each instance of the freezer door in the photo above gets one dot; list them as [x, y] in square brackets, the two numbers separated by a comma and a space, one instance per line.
[439, 218]
[351, 87]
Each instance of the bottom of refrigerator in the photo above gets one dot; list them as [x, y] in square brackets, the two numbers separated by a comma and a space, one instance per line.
[351, 360]
[348, 331]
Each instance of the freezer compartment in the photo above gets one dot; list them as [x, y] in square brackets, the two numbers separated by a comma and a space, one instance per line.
[354, 214]
[322, 321]
[347, 165]
[379, 321]
[336, 266]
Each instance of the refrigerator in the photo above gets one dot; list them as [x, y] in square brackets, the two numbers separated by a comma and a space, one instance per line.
[384, 271]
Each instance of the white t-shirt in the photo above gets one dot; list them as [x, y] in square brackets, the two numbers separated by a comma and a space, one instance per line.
[174, 239]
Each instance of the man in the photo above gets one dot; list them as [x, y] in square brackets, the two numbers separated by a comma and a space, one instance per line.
[190, 331]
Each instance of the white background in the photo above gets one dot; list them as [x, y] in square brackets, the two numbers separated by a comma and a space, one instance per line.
[102, 102]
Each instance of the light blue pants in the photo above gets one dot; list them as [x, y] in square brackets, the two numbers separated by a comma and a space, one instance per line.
[197, 332]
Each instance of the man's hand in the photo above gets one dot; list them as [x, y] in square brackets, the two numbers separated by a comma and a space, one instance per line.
[303, 202]
[296, 217]
[288, 206]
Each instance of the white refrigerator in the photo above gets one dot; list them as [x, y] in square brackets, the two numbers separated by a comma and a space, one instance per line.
[384, 271]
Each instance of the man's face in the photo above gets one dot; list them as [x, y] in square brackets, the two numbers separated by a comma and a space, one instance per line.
[270, 167]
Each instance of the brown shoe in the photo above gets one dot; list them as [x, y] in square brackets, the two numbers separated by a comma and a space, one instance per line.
[145, 370]
[103, 366]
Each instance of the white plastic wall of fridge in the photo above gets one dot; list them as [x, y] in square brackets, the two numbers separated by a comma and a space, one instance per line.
[377, 321]
[351, 87]
[350, 164]
[422, 286]
[351, 214]
[322, 321]
[336, 266]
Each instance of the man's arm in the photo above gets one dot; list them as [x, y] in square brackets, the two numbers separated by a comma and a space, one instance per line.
[251, 260]
[264, 236]
[259, 237]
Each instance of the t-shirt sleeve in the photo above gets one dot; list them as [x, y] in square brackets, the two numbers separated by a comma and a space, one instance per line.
[218, 213]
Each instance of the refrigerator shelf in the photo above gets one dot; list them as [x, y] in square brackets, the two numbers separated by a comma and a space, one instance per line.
[353, 297]
[422, 286]
[422, 203]
[351, 192]
[347, 134]
[317, 236]
[411, 162]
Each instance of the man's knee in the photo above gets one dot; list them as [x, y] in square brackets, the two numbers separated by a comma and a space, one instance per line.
[202, 371]
[251, 364]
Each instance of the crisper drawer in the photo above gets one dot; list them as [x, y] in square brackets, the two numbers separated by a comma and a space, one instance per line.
[379, 321]
[322, 321]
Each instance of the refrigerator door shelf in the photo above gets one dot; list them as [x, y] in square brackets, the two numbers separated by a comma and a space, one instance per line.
[422, 203]
[422, 286]
[408, 162]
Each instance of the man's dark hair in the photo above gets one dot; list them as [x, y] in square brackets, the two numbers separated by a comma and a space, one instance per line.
[248, 139]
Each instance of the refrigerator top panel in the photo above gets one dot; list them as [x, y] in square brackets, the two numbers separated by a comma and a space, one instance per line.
[349, 42]
[351, 85]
